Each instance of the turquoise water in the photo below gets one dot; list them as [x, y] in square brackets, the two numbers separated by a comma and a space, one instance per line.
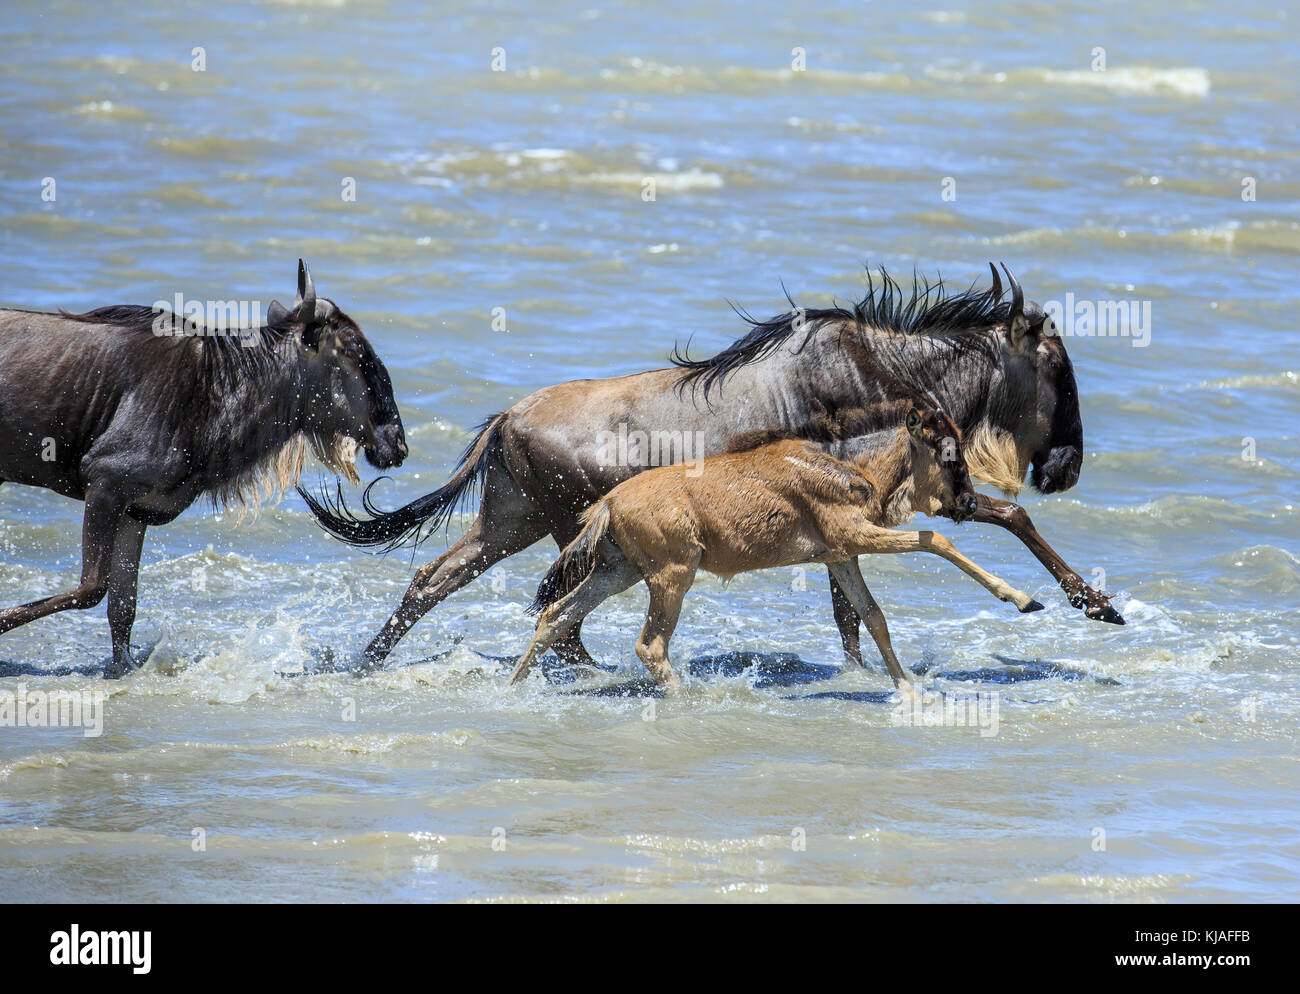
[927, 138]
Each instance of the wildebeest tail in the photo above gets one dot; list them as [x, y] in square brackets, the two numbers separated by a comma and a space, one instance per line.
[576, 561]
[390, 529]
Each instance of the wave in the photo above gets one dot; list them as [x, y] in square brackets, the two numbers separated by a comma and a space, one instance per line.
[162, 754]
[649, 75]
[1232, 236]
[1191, 81]
[553, 167]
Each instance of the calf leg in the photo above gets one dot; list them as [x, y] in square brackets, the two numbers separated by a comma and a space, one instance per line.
[885, 540]
[122, 579]
[854, 588]
[603, 582]
[1014, 519]
[667, 590]
[569, 646]
[103, 517]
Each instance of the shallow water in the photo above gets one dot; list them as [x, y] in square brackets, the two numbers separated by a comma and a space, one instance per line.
[1154, 762]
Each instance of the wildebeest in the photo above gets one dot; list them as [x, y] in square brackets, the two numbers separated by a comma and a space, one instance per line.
[774, 498]
[138, 412]
[998, 367]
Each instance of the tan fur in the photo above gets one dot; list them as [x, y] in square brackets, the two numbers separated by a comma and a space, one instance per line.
[780, 504]
[267, 480]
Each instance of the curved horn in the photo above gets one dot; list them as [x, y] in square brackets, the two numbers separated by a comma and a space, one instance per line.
[996, 292]
[1017, 295]
[306, 288]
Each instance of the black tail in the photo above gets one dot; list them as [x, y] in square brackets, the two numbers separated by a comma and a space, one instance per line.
[576, 561]
[395, 528]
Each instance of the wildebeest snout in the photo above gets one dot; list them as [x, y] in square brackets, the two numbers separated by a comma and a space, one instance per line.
[390, 446]
[1060, 471]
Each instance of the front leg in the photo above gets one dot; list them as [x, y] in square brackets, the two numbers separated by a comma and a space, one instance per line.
[1012, 517]
[122, 579]
[847, 621]
[853, 587]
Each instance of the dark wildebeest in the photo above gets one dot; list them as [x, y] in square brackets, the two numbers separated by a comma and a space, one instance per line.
[998, 368]
[138, 412]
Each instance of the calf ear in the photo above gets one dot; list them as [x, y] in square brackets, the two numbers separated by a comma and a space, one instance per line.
[914, 422]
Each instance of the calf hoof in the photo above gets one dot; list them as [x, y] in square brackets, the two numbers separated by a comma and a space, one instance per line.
[1106, 613]
[1031, 607]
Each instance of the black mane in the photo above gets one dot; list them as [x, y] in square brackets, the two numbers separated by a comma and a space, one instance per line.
[227, 356]
[929, 308]
[139, 317]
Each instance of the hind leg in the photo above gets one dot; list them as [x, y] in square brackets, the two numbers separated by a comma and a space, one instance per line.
[855, 589]
[506, 524]
[667, 590]
[562, 617]
[103, 518]
[569, 646]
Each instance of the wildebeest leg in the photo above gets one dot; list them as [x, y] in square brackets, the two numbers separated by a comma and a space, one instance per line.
[667, 590]
[103, 517]
[467, 558]
[606, 580]
[1015, 519]
[855, 589]
[122, 578]
[846, 620]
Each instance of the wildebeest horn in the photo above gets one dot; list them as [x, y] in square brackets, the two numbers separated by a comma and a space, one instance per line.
[1017, 295]
[306, 290]
[997, 282]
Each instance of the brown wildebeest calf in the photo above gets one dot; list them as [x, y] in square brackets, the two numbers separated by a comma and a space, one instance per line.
[773, 499]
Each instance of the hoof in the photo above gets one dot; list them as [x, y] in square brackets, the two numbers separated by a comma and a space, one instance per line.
[1105, 613]
[119, 668]
[1031, 607]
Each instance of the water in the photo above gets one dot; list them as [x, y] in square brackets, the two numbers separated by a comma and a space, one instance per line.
[1154, 762]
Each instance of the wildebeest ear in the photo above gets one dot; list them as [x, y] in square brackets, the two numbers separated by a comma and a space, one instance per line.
[914, 421]
[276, 313]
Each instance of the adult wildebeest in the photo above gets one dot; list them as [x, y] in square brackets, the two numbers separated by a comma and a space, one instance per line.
[824, 493]
[998, 368]
[138, 412]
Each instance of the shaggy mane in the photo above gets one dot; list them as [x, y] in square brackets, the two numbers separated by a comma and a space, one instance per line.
[928, 308]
